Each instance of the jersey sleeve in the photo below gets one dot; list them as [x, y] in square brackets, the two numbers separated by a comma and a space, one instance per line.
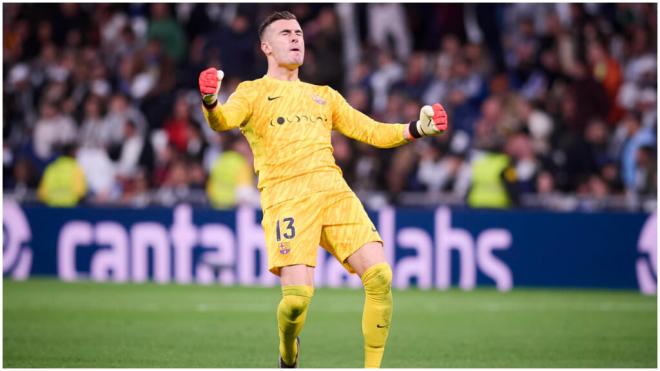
[356, 125]
[233, 113]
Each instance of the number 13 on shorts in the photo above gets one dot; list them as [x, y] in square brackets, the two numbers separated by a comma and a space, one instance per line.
[285, 228]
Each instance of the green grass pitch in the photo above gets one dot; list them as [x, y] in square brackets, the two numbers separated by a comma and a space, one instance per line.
[48, 324]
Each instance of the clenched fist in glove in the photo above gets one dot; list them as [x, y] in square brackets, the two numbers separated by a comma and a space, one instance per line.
[432, 121]
[209, 85]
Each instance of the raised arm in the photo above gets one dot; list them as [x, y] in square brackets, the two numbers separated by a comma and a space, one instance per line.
[229, 115]
[356, 125]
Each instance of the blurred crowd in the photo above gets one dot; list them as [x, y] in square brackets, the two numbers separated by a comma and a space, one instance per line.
[544, 100]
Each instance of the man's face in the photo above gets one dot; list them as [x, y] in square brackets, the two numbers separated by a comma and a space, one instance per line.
[283, 41]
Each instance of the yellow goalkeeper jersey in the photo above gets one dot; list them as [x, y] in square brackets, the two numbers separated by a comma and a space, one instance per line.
[288, 126]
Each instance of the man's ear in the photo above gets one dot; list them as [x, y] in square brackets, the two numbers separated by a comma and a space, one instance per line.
[266, 48]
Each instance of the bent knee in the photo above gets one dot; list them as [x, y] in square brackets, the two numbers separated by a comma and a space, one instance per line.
[296, 299]
[295, 305]
[378, 278]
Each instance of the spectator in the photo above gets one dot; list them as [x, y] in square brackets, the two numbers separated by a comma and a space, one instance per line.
[487, 131]
[166, 30]
[177, 125]
[51, 130]
[587, 94]
[439, 86]
[197, 175]
[19, 115]
[325, 39]
[96, 131]
[589, 152]
[636, 138]
[399, 171]
[388, 73]
[492, 183]
[176, 187]
[519, 148]
[197, 146]
[387, 21]
[231, 182]
[607, 71]
[416, 80]
[23, 179]
[594, 190]
[63, 183]
[136, 191]
[545, 183]
[155, 85]
[235, 45]
[100, 174]
[120, 111]
[646, 174]
[132, 145]
[440, 172]
[539, 124]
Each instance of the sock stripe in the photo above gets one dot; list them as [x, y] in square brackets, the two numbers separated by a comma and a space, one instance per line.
[298, 290]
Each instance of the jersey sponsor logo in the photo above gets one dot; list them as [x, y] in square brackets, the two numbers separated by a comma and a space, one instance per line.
[284, 248]
[273, 98]
[298, 118]
[318, 99]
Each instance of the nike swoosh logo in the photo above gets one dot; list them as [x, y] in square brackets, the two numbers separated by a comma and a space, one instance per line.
[381, 326]
[273, 98]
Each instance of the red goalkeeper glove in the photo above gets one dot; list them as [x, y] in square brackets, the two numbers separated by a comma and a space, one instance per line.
[432, 121]
[209, 85]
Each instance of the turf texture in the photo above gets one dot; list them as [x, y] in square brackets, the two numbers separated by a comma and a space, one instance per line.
[51, 324]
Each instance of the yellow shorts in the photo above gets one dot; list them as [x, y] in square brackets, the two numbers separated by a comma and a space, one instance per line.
[295, 228]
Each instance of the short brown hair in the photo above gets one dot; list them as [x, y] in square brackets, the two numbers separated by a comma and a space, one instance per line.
[272, 18]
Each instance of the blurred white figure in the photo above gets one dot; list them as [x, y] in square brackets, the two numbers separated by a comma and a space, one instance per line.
[99, 173]
[389, 72]
[389, 20]
[95, 131]
[52, 129]
[130, 151]
[351, 40]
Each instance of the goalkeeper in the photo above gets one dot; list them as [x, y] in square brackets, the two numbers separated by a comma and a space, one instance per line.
[305, 200]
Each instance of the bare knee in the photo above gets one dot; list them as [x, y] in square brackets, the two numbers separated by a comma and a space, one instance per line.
[370, 254]
[297, 275]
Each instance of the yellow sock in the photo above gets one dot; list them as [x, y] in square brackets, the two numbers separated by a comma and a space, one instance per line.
[291, 314]
[377, 315]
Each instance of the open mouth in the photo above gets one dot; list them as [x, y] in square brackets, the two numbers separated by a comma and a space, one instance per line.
[295, 49]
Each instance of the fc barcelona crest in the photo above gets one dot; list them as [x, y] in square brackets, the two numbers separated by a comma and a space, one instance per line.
[284, 248]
